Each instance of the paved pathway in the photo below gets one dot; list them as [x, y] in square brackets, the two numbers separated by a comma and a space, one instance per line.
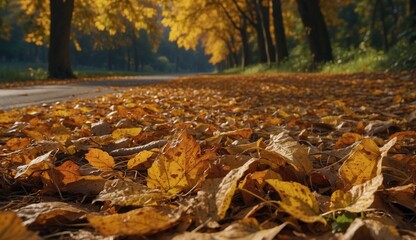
[35, 95]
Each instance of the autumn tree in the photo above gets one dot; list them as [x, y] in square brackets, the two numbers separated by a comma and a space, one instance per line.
[55, 19]
[316, 30]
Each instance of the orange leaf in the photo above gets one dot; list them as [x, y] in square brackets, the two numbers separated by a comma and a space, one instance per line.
[100, 160]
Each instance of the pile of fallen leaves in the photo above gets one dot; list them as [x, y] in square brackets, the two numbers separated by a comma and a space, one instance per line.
[216, 157]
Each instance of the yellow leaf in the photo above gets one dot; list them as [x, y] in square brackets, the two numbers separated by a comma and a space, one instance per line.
[363, 163]
[358, 198]
[297, 200]
[180, 167]
[140, 158]
[331, 120]
[12, 227]
[142, 221]
[100, 159]
[291, 151]
[126, 132]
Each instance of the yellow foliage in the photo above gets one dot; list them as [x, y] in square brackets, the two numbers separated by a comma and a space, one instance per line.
[297, 200]
[100, 159]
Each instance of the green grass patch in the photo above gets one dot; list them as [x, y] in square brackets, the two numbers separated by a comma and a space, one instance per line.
[401, 57]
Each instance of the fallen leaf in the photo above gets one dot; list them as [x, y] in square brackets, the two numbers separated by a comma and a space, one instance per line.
[370, 229]
[297, 200]
[38, 164]
[138, 222]
[180, 167]
[245, 229]
[290, 150]
[358, 198]
[51, 213]
[12, 227]
[100, 160]
[126, 132]
[363, 163]
[86, 185]
[140, 158]
[123, 193]
[68, 172]
[347, 139]
[214, 198]
[403, 195]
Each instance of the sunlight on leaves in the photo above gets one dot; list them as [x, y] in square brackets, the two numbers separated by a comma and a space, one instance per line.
[297, 200]
[358, 198]
[140, 158]
[180, 167]
[140, 221]
[100, 160]
[38, 164]
[363, 163]
[290, 150]
[126, 132]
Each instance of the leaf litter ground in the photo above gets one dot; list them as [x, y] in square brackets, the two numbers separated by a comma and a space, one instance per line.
[278, 156]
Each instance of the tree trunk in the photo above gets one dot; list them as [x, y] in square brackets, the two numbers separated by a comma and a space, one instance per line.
[246, 54]
[318, 36]
[59, 60]
[261, 43]
[279, 32]
[264, 21]
[412, 14]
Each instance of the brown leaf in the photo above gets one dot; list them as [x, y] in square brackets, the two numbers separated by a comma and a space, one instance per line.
[245, 229]
[123, 193]
[54, 213]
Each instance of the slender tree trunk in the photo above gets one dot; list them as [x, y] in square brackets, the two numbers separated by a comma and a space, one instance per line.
[279, 32]
[383, 25]
[261, 43]
[135, 52]
[264, 24]
[246, 54]
[59, 60]
[412, 14]
[318, 36]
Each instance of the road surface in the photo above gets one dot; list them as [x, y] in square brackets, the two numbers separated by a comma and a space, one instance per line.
[36, 95]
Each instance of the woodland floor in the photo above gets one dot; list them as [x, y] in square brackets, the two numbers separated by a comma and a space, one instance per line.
[284, 156]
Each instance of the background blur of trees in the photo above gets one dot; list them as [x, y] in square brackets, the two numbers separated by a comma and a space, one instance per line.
[153, 36]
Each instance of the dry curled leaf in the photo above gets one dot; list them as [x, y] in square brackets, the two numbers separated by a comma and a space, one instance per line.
[358, 198]
[290, 150]
[38, 164]
[140, 158]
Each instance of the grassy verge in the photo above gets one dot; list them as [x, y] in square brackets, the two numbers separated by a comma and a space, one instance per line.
[399, 58]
